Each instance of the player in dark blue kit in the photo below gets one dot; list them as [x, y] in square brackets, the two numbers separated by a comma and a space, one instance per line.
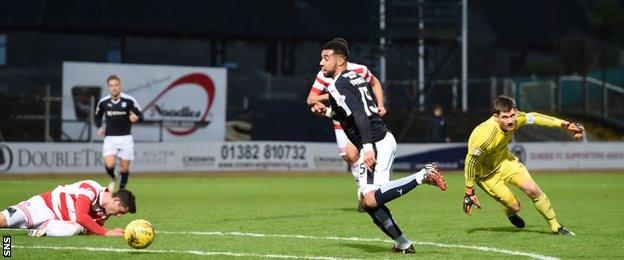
[121, 111]
[352, 104]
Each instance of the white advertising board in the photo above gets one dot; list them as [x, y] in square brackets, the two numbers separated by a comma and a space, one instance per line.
[535, 156]
[287, 156]
[173, 157]
[183, 96]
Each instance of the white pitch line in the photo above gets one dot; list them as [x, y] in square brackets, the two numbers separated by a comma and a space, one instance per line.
[478, 248]
[191, 252]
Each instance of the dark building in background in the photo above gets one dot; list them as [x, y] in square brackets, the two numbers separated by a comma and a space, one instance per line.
[271, 48]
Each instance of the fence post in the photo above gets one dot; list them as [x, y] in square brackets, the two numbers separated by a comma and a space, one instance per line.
[493, 91]
[47, 115]
[91, 122]
[455, 82]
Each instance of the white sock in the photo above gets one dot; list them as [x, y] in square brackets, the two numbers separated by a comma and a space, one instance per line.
[59, 228]
[355, 171]
[420, 176]
[402, 242]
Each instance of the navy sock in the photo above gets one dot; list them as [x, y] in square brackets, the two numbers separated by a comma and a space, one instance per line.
[110, 172]
[383, 219]
[395, 189]
[124, 180]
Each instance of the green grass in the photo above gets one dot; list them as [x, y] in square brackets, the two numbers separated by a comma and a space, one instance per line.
[590, 204]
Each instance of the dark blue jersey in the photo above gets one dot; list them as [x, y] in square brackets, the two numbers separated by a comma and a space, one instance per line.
[117, 114]
[356, 109]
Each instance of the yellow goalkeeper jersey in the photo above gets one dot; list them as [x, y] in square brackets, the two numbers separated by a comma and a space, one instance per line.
[487, 145]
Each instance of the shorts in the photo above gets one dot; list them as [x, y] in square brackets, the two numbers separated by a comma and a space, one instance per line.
[511, 171]
[121, 146]
[385, 151]
[28, 214]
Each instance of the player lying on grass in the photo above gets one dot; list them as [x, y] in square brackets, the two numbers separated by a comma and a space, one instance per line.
[356, 110]
[73, 209]
[318, 93]
[492, 166]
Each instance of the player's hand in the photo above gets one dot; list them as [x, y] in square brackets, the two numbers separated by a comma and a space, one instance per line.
[133, 117]
[100, 132]
[115, 232]
[381, 110]
[470, 199]
[576, 129]
[319, 108]
[369, 160]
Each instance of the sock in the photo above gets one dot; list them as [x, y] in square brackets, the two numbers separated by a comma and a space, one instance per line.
[355, 171]
[383, 219]
[398, 188]
[124, 180]
[542, 204]
[111, 172]
[60, 228]
[509, 212]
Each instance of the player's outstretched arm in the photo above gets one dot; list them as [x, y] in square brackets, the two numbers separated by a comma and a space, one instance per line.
[478, 144]
[314, 97]
[83, 206]
[379, 96]
[115, 232]
[576, 129]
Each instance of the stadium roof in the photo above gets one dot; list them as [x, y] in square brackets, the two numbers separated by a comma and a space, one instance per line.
[514, 22]
[270, 18]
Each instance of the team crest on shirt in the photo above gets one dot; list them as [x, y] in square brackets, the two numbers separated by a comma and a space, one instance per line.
[123, 104]
[476, 152]
[109, 105]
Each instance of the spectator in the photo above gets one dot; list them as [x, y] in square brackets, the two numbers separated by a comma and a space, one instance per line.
[436, 128]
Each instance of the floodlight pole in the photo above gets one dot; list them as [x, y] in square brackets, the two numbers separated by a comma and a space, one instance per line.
[464, 53]
[47, 115]
[382, 41]
[421, 57]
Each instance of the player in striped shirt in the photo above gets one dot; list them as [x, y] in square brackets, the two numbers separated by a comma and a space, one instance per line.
[318, 93]
[78, 208]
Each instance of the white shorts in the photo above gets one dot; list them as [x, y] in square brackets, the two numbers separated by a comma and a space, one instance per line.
[341, 140]
[122, 146]
[28, 214]
[385, 150]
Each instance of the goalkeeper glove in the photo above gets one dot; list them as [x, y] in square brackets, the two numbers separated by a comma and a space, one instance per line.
[576, 129]
[470, 199]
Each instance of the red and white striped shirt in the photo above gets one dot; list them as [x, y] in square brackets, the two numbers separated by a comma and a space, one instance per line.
[321, 82]
[79, 202]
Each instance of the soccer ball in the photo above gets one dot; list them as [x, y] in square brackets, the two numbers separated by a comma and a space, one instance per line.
[139, 234]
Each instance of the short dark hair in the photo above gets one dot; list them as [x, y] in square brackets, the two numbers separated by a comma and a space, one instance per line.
[338, 45]
[503, 104]
[113, 76]
[127, 199]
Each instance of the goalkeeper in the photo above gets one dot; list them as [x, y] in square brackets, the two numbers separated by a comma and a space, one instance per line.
[492, 166]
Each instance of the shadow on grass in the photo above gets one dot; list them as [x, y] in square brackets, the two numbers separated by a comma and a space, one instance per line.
[506, 229]
[385, 248]
[368, 247]
[272, 217]
[353, 209]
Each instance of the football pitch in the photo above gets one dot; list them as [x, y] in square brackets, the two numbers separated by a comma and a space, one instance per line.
[314, 216]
